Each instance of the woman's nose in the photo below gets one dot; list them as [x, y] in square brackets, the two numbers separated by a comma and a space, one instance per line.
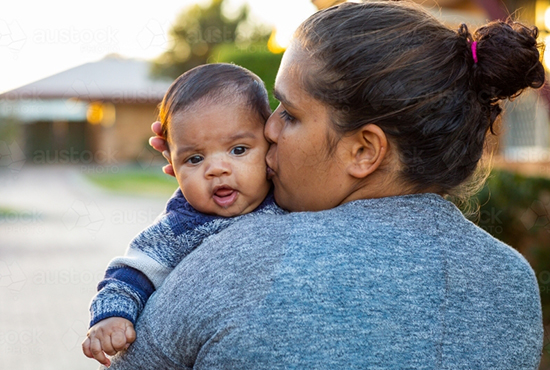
[218, 167]
[272, 127]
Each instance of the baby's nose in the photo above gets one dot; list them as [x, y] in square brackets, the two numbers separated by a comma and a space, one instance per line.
[218, 167]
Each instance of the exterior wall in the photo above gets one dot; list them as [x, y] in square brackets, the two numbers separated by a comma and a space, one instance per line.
[59, 142]
[128, 137]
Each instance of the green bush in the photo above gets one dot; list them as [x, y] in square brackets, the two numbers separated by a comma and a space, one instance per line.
[516, 210]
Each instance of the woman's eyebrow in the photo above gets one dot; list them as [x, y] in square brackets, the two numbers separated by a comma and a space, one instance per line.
[280, 97]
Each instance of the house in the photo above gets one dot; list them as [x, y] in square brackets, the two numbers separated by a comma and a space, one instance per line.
[99, 112]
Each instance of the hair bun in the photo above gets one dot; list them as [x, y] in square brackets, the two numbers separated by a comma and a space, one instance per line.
[508, 60]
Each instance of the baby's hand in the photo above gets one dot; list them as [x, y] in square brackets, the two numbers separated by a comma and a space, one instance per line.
[108, 336]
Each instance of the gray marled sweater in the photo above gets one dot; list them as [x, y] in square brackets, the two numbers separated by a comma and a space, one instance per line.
[391, 283]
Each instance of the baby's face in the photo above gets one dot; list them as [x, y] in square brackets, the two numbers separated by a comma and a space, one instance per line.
[218, 154]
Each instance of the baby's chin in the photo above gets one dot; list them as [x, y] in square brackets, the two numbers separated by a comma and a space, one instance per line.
[215, 210]
[235, 209]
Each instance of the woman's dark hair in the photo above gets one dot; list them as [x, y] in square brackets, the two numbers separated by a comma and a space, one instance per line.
[394, 65]
[221, 82]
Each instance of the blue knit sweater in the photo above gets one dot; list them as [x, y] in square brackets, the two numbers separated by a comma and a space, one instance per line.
[392, 283]
[131, 279]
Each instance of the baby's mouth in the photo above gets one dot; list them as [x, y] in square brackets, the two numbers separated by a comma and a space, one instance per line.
[225, 196]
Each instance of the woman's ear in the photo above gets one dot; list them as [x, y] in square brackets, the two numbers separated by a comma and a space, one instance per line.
[369, 147]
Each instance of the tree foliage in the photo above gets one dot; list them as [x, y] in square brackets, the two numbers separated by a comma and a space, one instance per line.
[195, 34]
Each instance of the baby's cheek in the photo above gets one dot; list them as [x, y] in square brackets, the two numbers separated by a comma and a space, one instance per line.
[250, 171]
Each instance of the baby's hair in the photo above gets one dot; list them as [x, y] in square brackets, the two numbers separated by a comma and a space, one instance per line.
[214, 83]
[394, 65]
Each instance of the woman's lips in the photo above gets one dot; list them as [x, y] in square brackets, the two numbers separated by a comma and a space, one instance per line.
[269, 160]
[270, 173]
[225, 197]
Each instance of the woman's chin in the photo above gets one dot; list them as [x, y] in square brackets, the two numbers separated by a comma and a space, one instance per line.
[279, 197]
[287, 203]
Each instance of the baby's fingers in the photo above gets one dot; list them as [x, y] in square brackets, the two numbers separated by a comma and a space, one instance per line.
[130, 334]
[118, 341]
[158, 143]
[98, 353]
[156, 127]
[86, 348]
[169, 170]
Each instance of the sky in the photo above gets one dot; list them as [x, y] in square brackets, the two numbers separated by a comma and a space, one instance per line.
[42, 38]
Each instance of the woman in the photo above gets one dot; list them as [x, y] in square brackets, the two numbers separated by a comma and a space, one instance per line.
[383, 110]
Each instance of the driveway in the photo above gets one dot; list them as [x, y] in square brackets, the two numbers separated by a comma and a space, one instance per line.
[57, 234]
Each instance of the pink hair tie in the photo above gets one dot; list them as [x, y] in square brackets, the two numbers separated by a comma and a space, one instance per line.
[474, 51]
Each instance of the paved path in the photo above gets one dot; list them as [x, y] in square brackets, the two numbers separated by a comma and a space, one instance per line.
[53, 251]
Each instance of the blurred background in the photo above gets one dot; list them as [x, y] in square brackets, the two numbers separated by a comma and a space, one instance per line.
[79, 88]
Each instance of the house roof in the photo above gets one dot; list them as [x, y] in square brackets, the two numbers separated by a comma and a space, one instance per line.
[113, 79]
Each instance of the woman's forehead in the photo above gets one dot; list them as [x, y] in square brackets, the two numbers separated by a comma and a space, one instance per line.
[290, 81]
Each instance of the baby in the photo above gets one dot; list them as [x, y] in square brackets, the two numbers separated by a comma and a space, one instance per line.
[213, 118]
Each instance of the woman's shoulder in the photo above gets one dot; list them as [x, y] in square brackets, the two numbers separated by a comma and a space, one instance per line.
[424, 221]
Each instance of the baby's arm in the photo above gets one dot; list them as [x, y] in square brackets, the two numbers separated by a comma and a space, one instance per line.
[131, 279]
[127, 286]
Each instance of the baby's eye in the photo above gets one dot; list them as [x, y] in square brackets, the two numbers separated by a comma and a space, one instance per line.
[238, 150]
[195, 159]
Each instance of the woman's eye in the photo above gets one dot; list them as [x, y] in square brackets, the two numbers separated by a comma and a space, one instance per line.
[238, 150]
[287, 117]
[194, 159]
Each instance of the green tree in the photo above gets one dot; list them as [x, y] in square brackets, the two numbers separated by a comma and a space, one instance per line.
[197, 31]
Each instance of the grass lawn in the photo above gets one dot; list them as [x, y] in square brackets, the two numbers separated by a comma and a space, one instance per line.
[135, 180]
